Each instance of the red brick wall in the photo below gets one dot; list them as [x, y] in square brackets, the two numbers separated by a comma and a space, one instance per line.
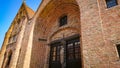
[111, 28]
[94, 54]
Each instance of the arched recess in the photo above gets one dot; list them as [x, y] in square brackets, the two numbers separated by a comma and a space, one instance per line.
[47, 27]
[7, 59]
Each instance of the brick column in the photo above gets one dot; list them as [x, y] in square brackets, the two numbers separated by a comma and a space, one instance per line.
[46, 65]
[93, 45]
[26, 63]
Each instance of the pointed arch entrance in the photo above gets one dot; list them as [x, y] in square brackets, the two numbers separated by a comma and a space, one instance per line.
[60, 42]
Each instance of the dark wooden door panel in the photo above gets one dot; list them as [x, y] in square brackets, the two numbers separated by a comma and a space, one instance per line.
[55, 65]
[72, 57]
[73, 53]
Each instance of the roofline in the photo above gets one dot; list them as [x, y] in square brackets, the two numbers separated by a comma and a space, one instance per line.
[38, 9]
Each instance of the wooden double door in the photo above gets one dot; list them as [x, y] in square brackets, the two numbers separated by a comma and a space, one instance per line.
[65, 53]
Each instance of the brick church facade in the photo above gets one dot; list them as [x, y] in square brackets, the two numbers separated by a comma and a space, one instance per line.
[64, 34]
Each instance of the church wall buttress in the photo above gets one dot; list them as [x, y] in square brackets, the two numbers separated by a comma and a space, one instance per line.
[24, 45]
[18, 46]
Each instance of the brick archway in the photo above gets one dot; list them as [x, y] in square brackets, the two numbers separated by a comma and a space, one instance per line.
[47, 26]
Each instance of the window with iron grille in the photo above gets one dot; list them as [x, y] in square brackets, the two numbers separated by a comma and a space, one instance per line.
[111, 3]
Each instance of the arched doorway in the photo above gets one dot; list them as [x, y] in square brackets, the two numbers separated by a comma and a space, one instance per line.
[65, 50]
[59, 20]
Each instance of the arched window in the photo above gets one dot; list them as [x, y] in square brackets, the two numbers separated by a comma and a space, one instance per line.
[63, 20]
[111, 3]
[9, 59]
